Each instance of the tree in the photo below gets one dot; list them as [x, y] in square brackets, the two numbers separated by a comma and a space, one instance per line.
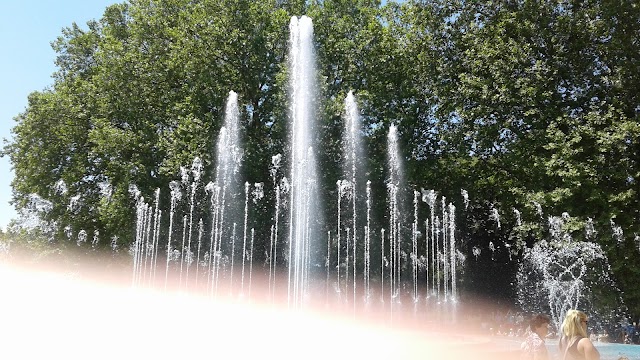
[530, 107]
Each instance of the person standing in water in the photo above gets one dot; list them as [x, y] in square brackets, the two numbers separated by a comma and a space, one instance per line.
[574, 342]
[533, 347]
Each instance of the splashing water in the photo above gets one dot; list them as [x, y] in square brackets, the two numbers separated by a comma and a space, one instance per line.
[495, 215]
[561, 273]
[518, 217]
[465, 198]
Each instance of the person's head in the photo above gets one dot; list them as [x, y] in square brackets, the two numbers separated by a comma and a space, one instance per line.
[539, 324]
[575, 324]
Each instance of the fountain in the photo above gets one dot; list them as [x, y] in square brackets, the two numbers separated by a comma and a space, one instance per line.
[561, 273]
[356, 261]
[211, 242]
[218, 250]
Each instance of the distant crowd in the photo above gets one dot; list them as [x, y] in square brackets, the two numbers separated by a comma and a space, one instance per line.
[514, 324]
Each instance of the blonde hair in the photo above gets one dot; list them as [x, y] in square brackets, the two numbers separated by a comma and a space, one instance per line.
[572, 324]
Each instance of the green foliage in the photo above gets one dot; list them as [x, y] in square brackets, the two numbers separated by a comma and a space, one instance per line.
[521, 103]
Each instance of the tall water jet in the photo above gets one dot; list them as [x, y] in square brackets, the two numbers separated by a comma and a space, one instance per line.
[200, 234]
[443, 255]
[429, 197]
[256, 194]
[343, 187]
[452, 252]
[196, 172]
[414, 245]
[228, 156]
[367, 245]
[175, 196]
[280, 188]
[394, 187]
[303, 224]
[352, 150]
[138, 246]
[156, 233]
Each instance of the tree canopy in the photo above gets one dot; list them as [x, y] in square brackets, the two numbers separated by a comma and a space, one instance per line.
[526, 105]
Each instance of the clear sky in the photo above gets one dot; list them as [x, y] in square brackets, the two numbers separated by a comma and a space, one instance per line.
[27, 28]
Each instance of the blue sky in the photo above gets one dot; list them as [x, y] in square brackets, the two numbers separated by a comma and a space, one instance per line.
[27, 28]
